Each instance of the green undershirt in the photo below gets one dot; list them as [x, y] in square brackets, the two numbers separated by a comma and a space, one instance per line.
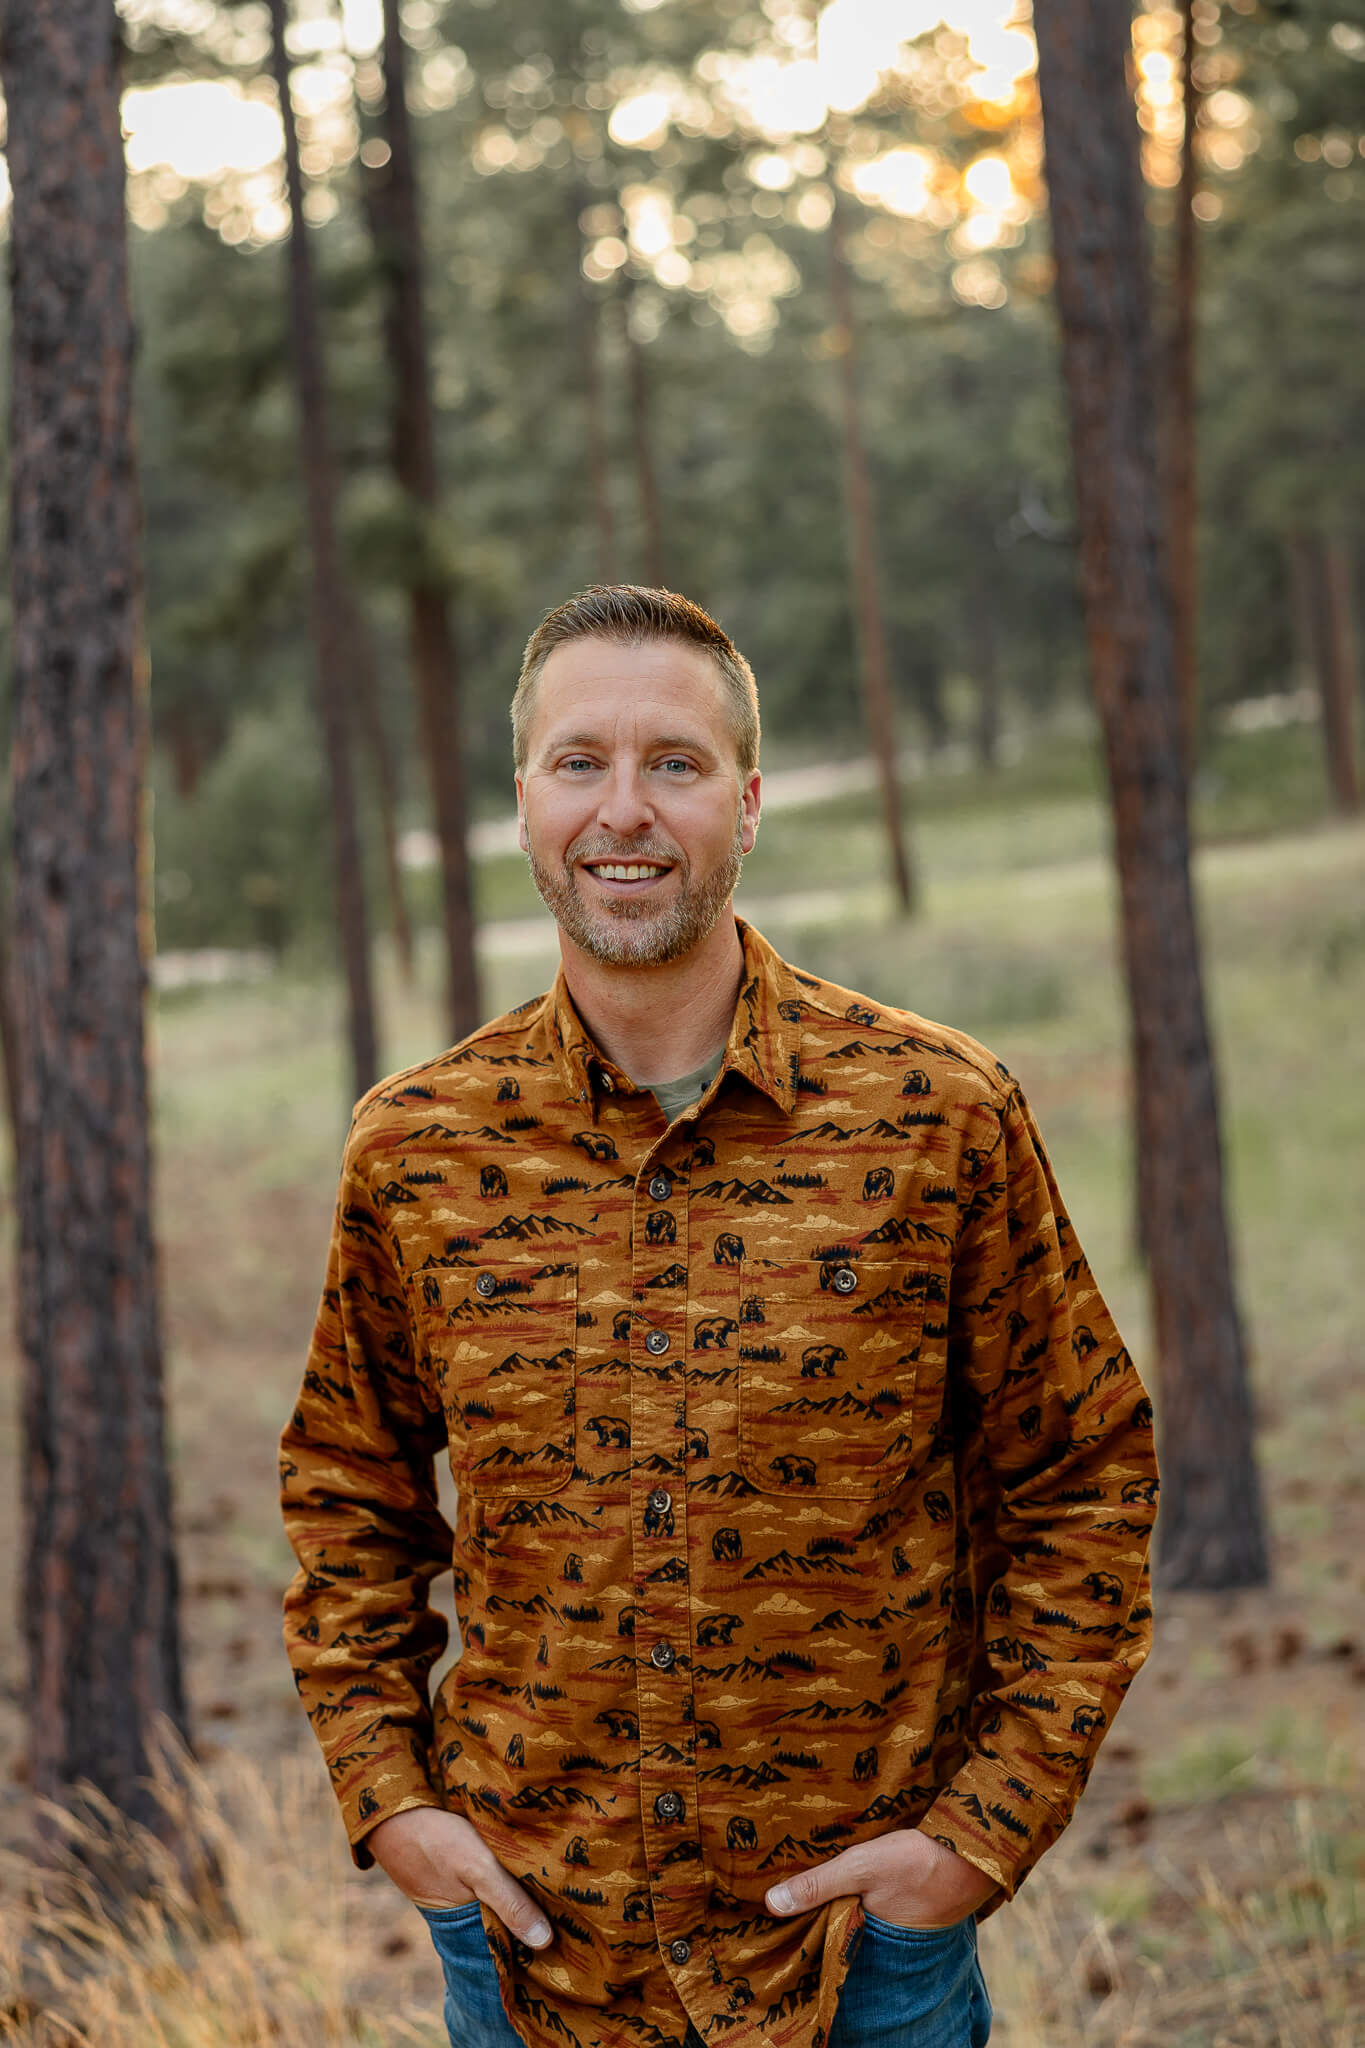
[673, 1097]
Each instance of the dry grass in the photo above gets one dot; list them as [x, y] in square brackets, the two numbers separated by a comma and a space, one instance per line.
[1261, 1944]
[278, 1968]
[1258, 1944]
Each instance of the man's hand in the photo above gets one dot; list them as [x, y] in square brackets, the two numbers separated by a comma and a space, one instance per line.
[904, 1877]
[439, 1859]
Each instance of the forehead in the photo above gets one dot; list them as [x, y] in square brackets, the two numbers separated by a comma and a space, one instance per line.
[627, 689]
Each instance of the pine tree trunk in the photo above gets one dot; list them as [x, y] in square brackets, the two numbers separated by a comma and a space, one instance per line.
[985, 656]
[327, 591]
[395, 216]
[642, 450]
[1340, 676]
[1210, 1532]
[1182, 505]
[596, 441]
[868, 617]
[100, 1599]
[368, 721]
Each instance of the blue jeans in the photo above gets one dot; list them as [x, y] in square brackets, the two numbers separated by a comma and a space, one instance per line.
[906, 1987]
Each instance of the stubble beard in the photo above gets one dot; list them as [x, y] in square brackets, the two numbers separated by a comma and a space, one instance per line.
[628, 931]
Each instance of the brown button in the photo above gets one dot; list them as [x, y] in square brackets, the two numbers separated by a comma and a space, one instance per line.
[668, 1806]
[663, 1656]
[680, 1950]
[485, 1284]
[660, 1188]
[608, 1085]
[657, 1342]
[661, 1500]
[845, 1280]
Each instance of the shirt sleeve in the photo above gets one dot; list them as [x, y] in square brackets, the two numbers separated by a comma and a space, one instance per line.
[357, 1463]
[1058, 1483]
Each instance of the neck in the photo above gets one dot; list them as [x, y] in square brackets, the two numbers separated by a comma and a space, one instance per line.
[658, 1023]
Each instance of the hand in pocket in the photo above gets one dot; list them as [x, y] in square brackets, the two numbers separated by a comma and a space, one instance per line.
[439, 1859]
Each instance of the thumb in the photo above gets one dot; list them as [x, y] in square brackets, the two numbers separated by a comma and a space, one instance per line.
[520, 1915]
[807, 1888]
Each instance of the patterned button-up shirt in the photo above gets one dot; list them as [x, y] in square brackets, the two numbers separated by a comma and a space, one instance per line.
[804, 1492]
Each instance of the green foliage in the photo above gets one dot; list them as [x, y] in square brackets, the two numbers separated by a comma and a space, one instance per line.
[244, 863]
[962, 405]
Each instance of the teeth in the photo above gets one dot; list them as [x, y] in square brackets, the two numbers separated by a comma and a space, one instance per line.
[624, 874]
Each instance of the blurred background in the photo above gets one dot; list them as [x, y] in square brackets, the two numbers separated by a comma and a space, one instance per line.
[754, 301]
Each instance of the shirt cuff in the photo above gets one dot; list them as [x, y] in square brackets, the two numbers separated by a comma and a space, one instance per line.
[376, 1790]
[996, 1822]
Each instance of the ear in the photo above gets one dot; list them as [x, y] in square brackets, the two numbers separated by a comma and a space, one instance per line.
[522, 841]
[750, 803]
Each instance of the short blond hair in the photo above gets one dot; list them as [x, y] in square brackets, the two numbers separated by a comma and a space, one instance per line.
[630, 613]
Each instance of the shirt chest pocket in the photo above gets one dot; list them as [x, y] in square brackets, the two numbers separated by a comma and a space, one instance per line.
[500, 1339]
[841, 1372]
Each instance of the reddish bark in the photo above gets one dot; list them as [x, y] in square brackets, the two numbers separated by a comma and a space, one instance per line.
[327, 591]
[395, 218]
[1211, 1531]
[1181, 445]
[100, 1597]
[864, 572]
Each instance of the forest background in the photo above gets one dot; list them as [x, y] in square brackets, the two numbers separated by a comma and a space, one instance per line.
[637, 348]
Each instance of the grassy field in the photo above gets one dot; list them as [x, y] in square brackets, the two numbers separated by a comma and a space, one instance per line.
[1211, 1892]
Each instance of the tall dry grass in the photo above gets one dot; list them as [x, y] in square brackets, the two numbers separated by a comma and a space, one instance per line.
[1259, 1943]
[278, 1967]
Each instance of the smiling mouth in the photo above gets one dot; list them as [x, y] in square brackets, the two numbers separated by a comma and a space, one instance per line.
[626, 871]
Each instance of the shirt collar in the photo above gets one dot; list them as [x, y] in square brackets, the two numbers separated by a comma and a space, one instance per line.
[763, 1044]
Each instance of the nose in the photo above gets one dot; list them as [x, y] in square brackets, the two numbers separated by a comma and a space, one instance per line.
[625, 808]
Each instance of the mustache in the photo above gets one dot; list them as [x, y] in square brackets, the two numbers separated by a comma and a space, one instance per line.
[648, 850]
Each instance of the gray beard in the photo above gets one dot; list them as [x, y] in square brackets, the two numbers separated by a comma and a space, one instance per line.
[627, 931]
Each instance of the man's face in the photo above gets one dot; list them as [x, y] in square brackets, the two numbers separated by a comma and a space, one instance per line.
[634, 813]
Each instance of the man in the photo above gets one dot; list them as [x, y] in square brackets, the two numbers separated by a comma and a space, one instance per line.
[804, 1485]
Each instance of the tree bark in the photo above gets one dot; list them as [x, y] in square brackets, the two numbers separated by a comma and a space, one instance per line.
[1211, 1531]
[596, 441]
[642, 452]
[985, 657]
[1340, 676]
[327, 590]
[101, 1604]
[864, 572]
[1181, 490]
[1325, 629]
[368, 717]
[395, 218]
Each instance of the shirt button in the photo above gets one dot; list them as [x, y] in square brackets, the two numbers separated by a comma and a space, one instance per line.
[657, 1342]
[661, 1500]
[663, 1656]
[845, 1280]
[680, 1950]
[668, 1806]
[485, 1284]
[661, 1187]
[608, 1085]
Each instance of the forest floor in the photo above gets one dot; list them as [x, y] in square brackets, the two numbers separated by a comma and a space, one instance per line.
[1211, 1892]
